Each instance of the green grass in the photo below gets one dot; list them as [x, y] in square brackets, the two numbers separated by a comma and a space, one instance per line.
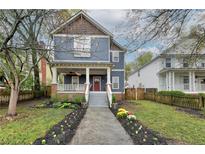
[170, 123]
[29, 125]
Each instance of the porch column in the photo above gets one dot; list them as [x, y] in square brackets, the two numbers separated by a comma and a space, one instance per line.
[167, 81]
[87, 75]
[108, 75]
[193, 81]
[170, 80]
[173, 81]
[54, 82]
[190, 81]
[54, 79]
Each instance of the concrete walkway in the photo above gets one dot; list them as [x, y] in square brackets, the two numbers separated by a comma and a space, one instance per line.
[99, 126]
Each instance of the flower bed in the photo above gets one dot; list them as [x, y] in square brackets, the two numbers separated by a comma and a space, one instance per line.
[139, 133]
[62, 133]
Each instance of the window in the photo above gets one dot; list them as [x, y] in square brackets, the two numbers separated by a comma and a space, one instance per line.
[75, 79]
[115, 56]
[186, 82]
[115, 82]
[82, 46]
[138, 73]
[202, 64]
[168, 62]
[185, 63]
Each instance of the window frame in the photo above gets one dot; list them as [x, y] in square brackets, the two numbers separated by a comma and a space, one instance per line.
[118, 83]
[168, 63]
[82, 52]
[114, 56]
[73, 79]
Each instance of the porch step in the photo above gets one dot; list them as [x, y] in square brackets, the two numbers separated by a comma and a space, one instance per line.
[98, 99]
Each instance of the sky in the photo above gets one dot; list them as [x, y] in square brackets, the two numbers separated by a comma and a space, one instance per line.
[111, 19]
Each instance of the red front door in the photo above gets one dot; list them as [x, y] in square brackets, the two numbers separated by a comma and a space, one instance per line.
[96, 83]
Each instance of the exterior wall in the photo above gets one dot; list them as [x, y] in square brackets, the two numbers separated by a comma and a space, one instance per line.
[69, 96]
[121, 80]
[64, 49]
[120, 64]
[82, 80]
[119, 97]
[148, 76]
[53, 90]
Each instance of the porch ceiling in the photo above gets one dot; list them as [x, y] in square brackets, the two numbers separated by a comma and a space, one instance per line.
[81, 71]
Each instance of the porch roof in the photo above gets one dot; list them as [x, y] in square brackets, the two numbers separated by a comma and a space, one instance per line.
[182, 70]
[82, 64]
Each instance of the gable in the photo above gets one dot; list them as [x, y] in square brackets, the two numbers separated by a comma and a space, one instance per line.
[81, 23]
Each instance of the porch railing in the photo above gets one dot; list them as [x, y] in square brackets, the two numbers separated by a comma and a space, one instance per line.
[71, 87]
[109, 94]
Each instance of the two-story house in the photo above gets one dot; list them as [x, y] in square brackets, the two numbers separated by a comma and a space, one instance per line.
[86, 59]
[175, 69]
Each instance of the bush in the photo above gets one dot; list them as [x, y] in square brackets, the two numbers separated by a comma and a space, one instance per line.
[121, 114]
[113, 99]
[79, 99]
[171, 93]
[131, 117]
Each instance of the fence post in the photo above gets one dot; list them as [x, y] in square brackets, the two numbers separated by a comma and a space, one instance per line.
[201, 102]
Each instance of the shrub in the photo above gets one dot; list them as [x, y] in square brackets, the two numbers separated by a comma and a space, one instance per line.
[121, 114]
[79, 99]
[171, 93]
[121, 110]
[131, 117]
[113, 99]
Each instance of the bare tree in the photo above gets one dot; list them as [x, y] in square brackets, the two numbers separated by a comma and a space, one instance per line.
[15, 55]
[167, 26]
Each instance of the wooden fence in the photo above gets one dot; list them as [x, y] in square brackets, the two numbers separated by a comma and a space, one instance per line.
[182, 101]
[4, 98]
[134, 93]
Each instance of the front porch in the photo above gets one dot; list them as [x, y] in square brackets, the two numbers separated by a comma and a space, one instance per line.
[78, 79]
[190, 81]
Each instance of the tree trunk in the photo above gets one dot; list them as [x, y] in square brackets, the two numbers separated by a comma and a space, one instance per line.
[13, 101]
[37, 86]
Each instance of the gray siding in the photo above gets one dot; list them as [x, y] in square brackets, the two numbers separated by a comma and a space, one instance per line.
[64, 49]
[120, 64]
[121, 80]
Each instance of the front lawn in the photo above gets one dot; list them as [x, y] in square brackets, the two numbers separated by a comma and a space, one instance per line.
[182, 127]
[30, 124]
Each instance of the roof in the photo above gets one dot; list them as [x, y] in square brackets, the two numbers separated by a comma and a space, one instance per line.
[91, 20]
[81, 12]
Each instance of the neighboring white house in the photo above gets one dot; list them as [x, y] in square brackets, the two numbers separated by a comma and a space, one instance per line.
[174, 69]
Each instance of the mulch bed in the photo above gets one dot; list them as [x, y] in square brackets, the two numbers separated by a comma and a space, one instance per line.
[62, 133]
[197, 113]
[140, 134]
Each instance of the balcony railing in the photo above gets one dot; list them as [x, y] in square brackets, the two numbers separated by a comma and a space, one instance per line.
[71, 87]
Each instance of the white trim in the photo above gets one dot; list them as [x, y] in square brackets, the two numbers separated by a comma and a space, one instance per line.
[116, 92]
[88, 18]
[100, 81]
[72, 79]
[118, 82]
[72, 92]
[118, 70]
[96, 92]
[91, 67]
[97, 61]
[116, 51]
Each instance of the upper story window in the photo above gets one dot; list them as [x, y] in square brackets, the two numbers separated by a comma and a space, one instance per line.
[168, 62]
[82, 46]
[202, 64]
[115, 56]
[185, 63]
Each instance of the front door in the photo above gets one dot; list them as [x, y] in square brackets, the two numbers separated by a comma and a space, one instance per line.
[96, 83]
